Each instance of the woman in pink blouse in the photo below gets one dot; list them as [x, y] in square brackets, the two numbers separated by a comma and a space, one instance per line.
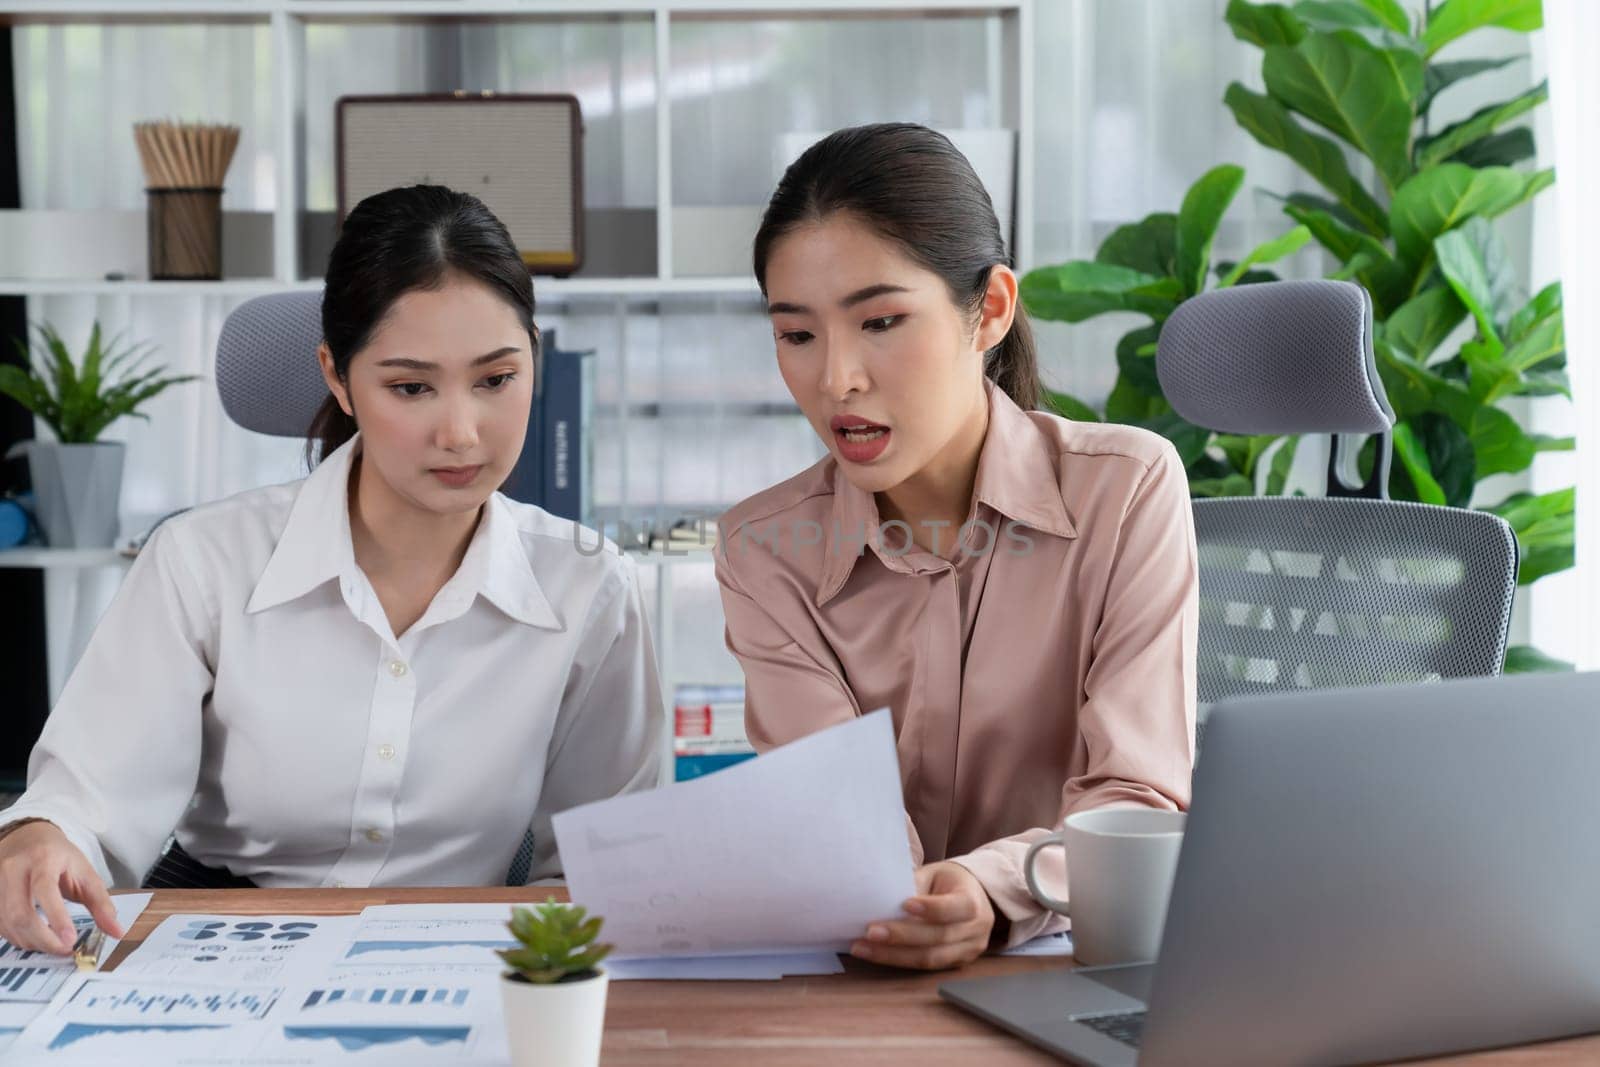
[1019, 590]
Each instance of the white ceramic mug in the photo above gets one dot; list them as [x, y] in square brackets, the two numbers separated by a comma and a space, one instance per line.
[1120, 864]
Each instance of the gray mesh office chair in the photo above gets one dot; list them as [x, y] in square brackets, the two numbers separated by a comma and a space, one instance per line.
[1300, 592]
[269, 381]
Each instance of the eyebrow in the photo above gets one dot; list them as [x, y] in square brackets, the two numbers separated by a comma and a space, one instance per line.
[858, 297]
[422, 364]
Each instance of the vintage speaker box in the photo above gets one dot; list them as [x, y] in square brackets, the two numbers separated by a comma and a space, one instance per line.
[521, 154]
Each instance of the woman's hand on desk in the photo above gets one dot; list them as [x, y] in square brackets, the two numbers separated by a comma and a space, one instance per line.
[38, 865]
[951, 919]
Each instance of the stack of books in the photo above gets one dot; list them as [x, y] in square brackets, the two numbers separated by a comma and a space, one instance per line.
[556, 468]
[708, 730]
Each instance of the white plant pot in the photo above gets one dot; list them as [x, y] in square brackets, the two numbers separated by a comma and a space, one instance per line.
[77, 489]
[558, 1025]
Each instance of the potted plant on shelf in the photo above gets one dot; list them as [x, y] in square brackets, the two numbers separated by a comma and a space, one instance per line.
[77, 478]
[554, 992]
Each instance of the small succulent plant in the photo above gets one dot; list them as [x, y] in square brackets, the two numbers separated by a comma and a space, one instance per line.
[557, 943]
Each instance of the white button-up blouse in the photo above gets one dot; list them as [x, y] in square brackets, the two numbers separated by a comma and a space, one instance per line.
[245, 692]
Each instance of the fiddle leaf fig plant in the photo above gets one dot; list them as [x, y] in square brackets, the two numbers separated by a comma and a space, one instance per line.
[1459, 339]
[1150, 267]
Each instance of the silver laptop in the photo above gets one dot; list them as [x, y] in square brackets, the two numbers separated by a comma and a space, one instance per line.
[1366, 875]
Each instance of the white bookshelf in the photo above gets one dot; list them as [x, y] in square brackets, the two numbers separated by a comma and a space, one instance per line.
[1008, 28]
[289, 20]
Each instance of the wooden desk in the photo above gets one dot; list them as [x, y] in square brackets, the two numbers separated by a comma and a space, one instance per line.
[868, 1015]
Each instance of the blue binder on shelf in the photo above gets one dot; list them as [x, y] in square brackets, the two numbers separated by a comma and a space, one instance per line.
[555, 470]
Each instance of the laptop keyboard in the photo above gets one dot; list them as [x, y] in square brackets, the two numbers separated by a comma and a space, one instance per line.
[1127, 1027]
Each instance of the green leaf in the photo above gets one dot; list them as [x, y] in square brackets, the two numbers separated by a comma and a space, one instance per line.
[1389, 13]
[1543, 342]
[1454, 18]
[1363, 257]
[1232, 485]
[1070, 407]
[1480, 124]
[1500, 444]
[1357, 20]
[1421, 324]
[1547, 443]
[1271, 124]
[1498, 371]
[1451, 456]
[1437, 77]
[1263, 24]
[1498, 150]
[1339, 239]
[78, 399]
[1524, 510]
[1268, 252]
[1081, 290]
[1545, 383]
[1545, 531]
[1203, 207]
[1545, 303]
[1359, 93]
[1414, 390]
[1414, 458]
[1189, 439]
[1149, 246]
[1244, 452]
[1136, 359]
[1312, 202]
[1525, 659]
[1441, 198]
[1278, 469]
[1475, 262]
[1128, 405]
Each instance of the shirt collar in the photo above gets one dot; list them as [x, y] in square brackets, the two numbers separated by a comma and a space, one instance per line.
[316, 547]
[1017, 477]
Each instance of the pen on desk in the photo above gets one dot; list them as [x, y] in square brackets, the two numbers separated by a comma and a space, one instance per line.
[86, 953]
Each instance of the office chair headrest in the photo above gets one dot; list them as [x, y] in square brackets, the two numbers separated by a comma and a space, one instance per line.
[267, 363]
[1276, 357]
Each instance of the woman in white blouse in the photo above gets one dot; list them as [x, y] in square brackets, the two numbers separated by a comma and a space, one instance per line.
[384, 674]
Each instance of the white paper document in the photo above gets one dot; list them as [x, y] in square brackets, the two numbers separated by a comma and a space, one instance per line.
[240, 949]
[398, 942]
[286, 989]
[28, 979]
[1058, 944]
[30, 976]
[791, 853]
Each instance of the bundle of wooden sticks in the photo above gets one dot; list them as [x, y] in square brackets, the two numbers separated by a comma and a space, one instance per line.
[184, 166]
[185, 155]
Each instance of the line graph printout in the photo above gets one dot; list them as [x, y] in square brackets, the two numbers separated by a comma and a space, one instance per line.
[244, 949]
[101, 1018]
[395, 1043]
[423, 937]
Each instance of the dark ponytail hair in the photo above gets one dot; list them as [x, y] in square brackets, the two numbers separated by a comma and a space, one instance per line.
[912, 186]
[395, 242]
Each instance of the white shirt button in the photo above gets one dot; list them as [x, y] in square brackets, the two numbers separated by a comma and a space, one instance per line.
[397, 668]
[386, 752]
[375, 836]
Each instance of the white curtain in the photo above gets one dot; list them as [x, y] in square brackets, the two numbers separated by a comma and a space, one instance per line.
[1571, 29]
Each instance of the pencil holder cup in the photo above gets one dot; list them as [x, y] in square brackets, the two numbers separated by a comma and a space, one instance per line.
[185, 233]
